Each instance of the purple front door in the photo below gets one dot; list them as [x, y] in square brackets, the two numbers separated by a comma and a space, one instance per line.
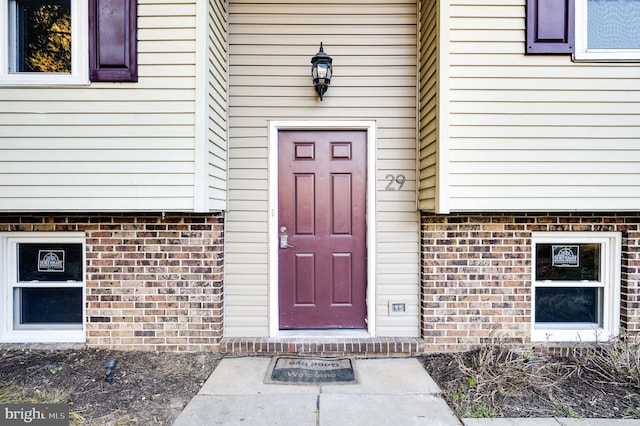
[322, 229]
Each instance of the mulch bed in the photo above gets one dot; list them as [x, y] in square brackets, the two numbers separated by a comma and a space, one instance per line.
[550, 387]
[151, 388]
[148, 388]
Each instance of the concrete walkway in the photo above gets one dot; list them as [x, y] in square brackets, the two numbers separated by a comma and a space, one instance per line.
[390, 391]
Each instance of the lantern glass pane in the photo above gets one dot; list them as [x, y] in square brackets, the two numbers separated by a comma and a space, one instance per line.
[322, 70]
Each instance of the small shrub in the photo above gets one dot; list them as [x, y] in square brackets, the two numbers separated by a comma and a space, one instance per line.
[616, 362]
[567, 411]
[634, 412]
[482, 411]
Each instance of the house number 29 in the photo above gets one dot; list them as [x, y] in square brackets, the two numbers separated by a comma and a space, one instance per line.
[396, 182]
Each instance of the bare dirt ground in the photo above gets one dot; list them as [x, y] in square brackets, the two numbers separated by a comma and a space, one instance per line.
[148, 388]
[151, 388]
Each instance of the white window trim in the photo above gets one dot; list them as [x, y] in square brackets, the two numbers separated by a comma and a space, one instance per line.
[610, 277]
[582, 53]
[79, 52]
[8, 264]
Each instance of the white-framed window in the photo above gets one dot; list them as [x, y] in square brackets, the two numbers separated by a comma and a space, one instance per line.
[607, 30]
[42, 286]
[43, 42]
[576, 286]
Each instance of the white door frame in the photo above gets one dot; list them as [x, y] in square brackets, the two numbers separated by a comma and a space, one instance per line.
[274, 128]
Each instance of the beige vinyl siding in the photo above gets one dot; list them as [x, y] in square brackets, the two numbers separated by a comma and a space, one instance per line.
[108, 146]
[428, 106]
[217, 104]
[373, 45]
[536, 132]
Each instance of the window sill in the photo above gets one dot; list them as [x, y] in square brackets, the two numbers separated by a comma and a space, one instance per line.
[33, 82]
[607, 56]
[44, 336]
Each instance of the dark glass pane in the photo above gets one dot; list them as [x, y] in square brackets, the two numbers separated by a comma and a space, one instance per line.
[565, 304]
[49, 262]
[568, 262]
[51, 305]
[44, 36]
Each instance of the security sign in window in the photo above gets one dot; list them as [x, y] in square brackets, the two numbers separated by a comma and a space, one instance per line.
[568, 262]
[51, 261]
[566, 256]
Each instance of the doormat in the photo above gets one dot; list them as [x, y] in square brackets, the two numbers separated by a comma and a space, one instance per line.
[311, 371]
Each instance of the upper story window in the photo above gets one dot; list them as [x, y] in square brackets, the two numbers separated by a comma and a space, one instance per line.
[52, 42]
[607, 30]
[43, 42]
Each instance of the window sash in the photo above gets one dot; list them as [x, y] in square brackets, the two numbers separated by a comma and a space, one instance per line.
[79, 50]
[586, 302]
[18, 35]
[582, 50]
[29, 317]
[568, 262]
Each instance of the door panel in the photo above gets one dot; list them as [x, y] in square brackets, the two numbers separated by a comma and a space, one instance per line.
[322, 205]
[305, 279]
[304, 204]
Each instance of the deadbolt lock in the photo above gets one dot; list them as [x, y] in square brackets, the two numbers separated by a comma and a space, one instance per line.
[284, 242]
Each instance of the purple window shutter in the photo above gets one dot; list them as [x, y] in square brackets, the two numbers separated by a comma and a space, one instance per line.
[550, 26]
[113, 52]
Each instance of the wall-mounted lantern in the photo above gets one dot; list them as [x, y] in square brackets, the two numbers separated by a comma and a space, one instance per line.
[321, 71]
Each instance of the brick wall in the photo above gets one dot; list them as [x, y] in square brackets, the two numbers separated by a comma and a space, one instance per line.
[153, 283]
[476, 274]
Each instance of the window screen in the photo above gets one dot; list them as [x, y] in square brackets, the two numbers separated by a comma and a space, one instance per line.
[613, 24]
